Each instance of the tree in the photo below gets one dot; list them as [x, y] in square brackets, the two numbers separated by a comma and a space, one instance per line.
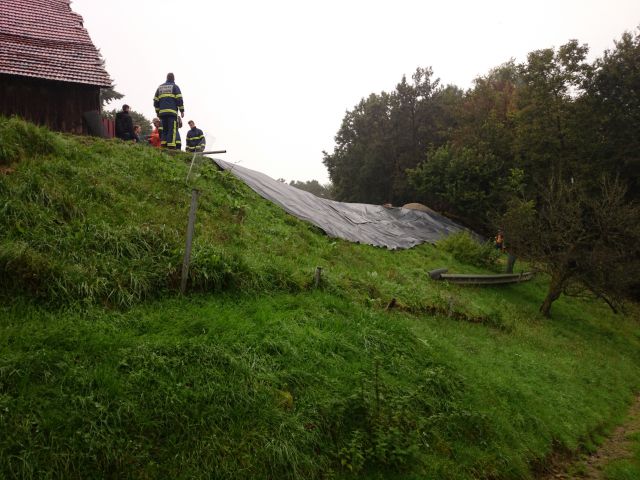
[386, 134]
[463, 182]
[412, 125]
[313, 186]
[107, 95]
[361, 165]
[546, 141]
[613, 100]
[586, 239]
[487, 113]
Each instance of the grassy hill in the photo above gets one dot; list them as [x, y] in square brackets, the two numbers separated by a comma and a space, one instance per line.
[106, 371]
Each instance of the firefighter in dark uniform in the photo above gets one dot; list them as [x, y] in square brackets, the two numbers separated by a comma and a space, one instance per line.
[168, 102]
[195, 138]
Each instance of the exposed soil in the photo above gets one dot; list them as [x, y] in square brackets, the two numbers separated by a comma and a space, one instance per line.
[616, 447]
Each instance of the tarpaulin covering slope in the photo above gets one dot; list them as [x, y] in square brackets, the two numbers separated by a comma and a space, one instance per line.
[376, 225]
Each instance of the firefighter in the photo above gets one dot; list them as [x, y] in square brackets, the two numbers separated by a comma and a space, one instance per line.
[168, 102]
[195, 138]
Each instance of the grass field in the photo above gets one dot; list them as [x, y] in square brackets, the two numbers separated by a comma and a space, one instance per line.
[627, 469]
[107, 372]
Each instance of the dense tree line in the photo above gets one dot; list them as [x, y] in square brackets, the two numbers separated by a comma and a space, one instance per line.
[465, 153]
[548, 149]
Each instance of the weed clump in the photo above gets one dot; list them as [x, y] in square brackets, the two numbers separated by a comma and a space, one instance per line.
[213, 269]
[383, 427]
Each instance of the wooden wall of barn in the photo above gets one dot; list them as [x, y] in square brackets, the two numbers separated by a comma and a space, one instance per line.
[58, 105]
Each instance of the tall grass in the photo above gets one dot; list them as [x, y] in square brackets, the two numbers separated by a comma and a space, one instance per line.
[96, 222]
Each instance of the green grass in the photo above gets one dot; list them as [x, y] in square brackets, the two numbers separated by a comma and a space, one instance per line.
[627, 469]
[106, 371]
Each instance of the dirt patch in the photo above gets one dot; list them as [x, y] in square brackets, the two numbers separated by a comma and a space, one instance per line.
[616, 447]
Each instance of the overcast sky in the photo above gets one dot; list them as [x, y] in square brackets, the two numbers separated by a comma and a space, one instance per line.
[270, 80]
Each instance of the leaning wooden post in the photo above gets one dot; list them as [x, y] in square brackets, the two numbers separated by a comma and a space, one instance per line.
[187, 251]
[317, 276]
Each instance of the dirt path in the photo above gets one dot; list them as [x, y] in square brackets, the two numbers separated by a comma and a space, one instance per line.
[616, 447]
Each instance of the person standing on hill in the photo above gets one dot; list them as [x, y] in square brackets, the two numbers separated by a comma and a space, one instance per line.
[195, 138]
[168, 103]
[124, 124]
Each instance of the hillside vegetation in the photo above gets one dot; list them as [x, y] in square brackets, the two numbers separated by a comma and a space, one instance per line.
[106, 371]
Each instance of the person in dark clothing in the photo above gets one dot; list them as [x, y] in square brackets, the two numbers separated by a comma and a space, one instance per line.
[195, 138]
[124, 124]
[168, 103]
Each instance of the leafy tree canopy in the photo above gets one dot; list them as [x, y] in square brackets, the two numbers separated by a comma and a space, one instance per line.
[554, 115]
[107, 95]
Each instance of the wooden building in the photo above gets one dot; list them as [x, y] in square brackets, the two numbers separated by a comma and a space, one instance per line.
[50, 71]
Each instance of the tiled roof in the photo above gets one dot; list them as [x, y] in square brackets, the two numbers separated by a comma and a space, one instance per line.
[46, 39]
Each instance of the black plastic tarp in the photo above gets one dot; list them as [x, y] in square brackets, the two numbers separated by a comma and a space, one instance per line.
[376, 225]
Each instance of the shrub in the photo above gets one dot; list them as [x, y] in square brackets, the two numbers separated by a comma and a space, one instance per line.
[466, 249]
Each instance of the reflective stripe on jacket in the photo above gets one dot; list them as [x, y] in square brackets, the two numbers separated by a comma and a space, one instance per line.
[168, 100]
[195, 140]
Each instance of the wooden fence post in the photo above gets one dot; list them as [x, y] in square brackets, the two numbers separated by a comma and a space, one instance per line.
[187, 252]
[317, 277]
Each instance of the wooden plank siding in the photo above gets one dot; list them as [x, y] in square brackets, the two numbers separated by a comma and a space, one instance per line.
[108, 128]
[57, 105]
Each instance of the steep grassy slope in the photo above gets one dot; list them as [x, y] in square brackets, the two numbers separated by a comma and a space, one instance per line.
[106, 372]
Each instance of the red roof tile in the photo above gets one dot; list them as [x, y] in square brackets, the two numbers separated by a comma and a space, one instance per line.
[46, 39]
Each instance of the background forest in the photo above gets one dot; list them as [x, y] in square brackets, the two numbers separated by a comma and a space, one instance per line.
[555, 116]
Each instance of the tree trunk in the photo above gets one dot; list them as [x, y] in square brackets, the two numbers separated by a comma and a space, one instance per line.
[555, 289]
